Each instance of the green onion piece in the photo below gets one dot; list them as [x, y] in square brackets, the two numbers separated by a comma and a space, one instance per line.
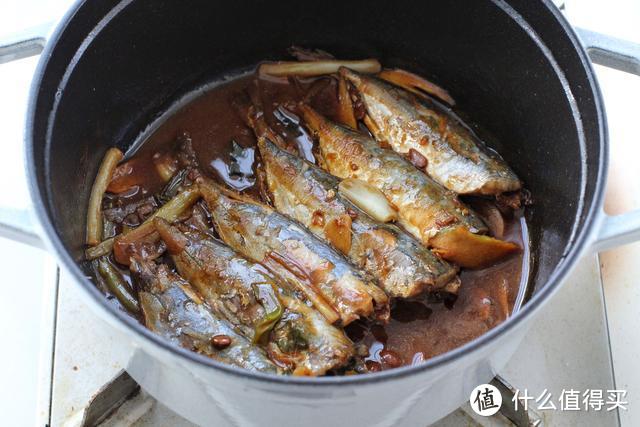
[100, 249]
[266, 294]
[117, 284]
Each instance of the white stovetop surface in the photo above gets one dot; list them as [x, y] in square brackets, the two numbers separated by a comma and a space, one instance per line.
[569, 348]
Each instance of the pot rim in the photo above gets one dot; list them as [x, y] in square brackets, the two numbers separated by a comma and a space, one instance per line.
[581, 240]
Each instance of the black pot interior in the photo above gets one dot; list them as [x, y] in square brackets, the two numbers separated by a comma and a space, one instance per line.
[102, 90]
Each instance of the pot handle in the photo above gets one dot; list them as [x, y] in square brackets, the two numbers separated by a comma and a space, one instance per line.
[621, 55]
[27, 43]
[617, 230]
[610, 51]
[18, 223]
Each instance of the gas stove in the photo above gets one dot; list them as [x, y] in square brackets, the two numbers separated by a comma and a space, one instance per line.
[89, 381]
[68, 369]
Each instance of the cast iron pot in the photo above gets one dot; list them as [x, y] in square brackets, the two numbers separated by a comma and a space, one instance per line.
[516, 67]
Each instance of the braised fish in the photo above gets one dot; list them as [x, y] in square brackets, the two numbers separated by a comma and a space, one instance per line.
[297, 338]
[404, 267]
[425, 209]
[172, 309]
[454, 156]
[335, 288]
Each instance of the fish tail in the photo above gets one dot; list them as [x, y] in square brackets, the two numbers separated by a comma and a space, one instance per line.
[250, 108]
[212, 192]
[218, 195]
[314, 120]
[268, 150]
[353, 77]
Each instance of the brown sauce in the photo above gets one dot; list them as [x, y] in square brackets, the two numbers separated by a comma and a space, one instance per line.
[420, 328]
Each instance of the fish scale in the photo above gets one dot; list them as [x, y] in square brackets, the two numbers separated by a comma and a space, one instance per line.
[455, 157]
[171, 309]
[403, 266]
[258, 304]
[336, 288]
[427, 210]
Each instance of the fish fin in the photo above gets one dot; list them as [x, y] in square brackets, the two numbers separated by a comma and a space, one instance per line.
[338, 233]
[452, 286]
[415, 84]
[372, 126]
[346, 113]
[172, 237]
[350, 75]
[263, 185]
[312, 118]
[303, 282]
[250, 109]
[213, 193]
[470, 250]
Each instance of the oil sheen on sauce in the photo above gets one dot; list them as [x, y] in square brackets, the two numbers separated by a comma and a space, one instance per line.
[419, 328]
